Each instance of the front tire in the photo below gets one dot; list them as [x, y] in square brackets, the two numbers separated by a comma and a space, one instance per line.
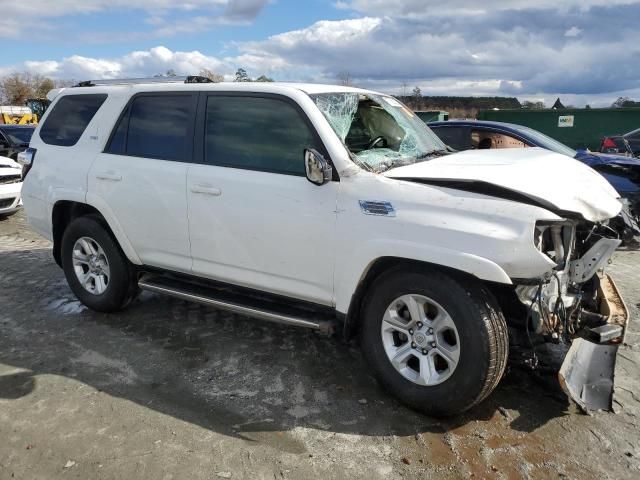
[97, 271]
[438, 344]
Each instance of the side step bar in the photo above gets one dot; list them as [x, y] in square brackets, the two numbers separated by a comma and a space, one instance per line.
[225, 299]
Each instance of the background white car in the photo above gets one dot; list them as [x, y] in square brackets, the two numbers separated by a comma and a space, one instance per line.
[10, 186]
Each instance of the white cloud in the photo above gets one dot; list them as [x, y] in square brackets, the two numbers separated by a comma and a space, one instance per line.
[25, 15]
[587, 50]
[142, 63]
[544, 52]
[573, 32]
[424, 7]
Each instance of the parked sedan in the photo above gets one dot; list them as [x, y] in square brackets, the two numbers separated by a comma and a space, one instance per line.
[627, 144]
[14, 139]
[622, 172]
[10, 187]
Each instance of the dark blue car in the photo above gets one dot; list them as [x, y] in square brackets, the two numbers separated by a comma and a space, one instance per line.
[622, 172]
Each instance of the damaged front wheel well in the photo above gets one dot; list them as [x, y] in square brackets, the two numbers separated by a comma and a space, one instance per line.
[384, 264]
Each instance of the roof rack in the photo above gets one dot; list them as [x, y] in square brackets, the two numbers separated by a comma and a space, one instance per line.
[130, 81]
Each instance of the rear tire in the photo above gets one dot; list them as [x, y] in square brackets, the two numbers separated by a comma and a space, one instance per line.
[97, 270]
[469, 334]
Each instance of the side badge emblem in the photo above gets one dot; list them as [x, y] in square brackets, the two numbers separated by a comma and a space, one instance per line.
[370, 207]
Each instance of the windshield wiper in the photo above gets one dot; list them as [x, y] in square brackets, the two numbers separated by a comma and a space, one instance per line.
[359, 162]
[439, 152]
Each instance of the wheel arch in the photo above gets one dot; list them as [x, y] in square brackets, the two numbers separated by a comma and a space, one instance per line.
[65, 211]
[384, 264]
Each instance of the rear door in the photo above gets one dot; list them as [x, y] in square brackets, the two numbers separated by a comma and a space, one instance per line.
[254, 218]
[140, 178]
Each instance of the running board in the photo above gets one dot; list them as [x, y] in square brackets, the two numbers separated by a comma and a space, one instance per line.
[227, 299]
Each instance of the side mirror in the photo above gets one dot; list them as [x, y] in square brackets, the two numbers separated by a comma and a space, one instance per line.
[25, 158]
[318, 169]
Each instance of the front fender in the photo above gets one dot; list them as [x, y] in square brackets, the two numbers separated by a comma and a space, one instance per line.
[353, 269]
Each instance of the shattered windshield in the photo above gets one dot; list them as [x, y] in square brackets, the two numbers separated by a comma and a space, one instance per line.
[379, 131]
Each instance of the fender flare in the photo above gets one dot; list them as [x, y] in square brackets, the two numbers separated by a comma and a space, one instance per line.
[356, 266]
[115, 227]
[103, 209]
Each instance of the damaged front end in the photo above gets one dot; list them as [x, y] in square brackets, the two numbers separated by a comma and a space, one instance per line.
[579, 307]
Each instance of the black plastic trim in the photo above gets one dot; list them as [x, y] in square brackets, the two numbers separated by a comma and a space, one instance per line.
[311, 307]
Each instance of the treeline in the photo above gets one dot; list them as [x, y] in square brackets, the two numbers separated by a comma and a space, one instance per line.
[17, 88]
[461, 103]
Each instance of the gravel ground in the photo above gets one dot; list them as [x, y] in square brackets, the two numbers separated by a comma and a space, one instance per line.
[169, 389]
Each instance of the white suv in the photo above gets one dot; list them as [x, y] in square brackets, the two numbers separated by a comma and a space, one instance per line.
[321, 206]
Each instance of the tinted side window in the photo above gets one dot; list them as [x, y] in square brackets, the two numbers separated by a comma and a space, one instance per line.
[158, 127]
[455, 137]
[69, 119]
[256, 134]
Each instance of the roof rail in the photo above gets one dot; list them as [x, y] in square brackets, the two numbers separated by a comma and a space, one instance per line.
[130, 81]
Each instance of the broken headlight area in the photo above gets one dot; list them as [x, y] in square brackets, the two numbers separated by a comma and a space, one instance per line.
[555, 240]
[575, 313]
[627, 222]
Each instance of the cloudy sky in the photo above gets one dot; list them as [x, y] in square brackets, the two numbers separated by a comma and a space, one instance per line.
[585, 51]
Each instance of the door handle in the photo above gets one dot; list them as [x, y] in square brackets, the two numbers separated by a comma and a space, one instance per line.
[206, 190]
[109, 176]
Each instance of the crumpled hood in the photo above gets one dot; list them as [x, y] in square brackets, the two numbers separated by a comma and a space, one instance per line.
[553, 180]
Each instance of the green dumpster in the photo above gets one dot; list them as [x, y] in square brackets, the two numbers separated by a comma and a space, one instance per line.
[432, 115]
[577, 128]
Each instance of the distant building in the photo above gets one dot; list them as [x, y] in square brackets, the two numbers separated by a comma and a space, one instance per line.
[558, 105]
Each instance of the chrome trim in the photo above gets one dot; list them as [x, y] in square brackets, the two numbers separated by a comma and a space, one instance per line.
[232, 307]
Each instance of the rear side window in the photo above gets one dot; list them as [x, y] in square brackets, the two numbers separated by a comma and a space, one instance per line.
[156, 126]
[458, 138]
[69, 118]
[256, 133]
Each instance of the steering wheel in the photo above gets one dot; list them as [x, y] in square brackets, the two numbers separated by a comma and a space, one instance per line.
[374, 143]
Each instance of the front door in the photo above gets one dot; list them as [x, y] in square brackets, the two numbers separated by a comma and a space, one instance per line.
[254, 218]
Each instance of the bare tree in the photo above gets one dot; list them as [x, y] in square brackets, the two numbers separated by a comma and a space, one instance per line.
[211, 75]
[42, 86]
[241, 76]
[624, 102]
[344, 78]
[17, 88]
[416, 95]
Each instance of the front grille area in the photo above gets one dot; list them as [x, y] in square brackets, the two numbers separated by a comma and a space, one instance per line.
[6, 202]
[10, 179]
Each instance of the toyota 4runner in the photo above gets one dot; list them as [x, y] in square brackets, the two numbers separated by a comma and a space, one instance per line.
[337, 209]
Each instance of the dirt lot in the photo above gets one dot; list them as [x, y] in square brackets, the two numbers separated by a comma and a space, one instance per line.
[169, 389]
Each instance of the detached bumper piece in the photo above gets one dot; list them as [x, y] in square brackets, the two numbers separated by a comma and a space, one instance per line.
[587, 373]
